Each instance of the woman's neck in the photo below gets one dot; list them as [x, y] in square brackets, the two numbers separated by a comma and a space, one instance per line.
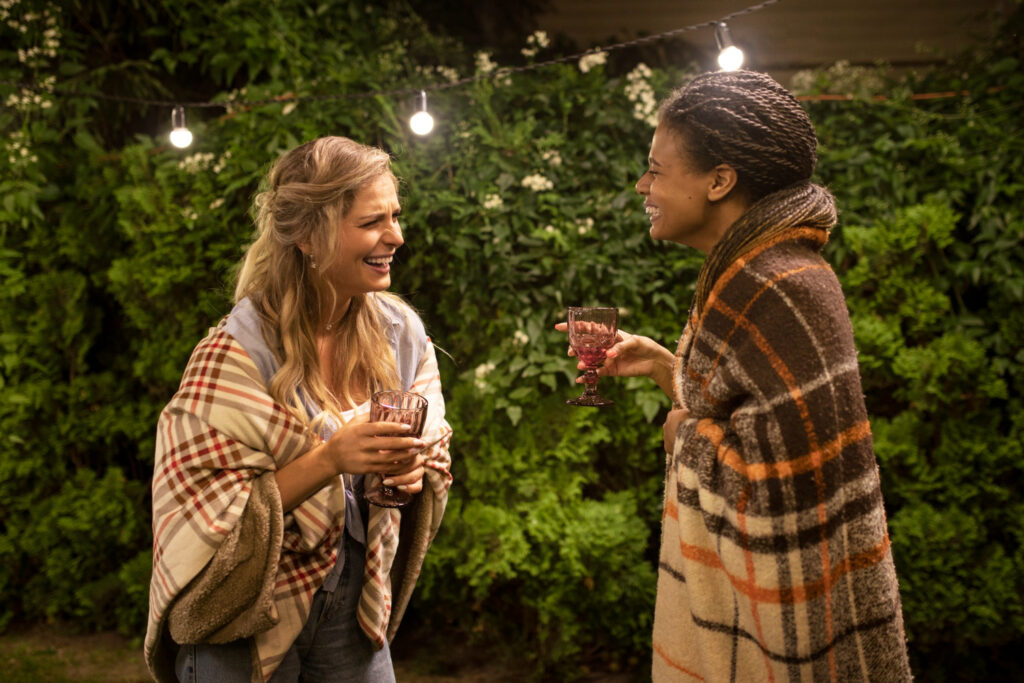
[331, 322]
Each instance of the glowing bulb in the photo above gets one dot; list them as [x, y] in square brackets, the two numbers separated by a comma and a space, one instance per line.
[180, 135]
[730, 57]
[422, 122]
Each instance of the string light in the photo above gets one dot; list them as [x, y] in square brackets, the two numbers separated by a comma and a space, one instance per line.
[181, 136]
[422, 122]
[730, 57]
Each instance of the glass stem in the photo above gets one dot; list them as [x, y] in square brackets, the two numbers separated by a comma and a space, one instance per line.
[590, 381]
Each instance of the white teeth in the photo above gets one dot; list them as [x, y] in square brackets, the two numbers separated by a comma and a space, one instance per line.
[651, 211]
[379, 261]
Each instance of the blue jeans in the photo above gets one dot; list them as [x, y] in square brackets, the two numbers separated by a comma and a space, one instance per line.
[331, 647]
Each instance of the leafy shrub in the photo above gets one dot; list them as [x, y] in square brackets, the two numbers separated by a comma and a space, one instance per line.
[116, 252]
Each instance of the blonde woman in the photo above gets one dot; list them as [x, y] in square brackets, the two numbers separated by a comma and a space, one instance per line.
[267, 563]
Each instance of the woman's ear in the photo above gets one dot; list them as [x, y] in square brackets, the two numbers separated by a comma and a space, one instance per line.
[723, 180]
[303, 247]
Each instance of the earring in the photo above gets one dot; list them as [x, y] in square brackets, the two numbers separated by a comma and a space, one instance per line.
[312, 262]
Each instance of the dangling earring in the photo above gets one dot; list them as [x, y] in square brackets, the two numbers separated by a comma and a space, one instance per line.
[312, 262]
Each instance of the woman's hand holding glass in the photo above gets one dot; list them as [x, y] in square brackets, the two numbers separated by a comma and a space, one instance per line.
[364, 447]
[633, 355]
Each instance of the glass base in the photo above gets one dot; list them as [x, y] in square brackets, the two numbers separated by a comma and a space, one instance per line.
[592, 400]
[388, 497]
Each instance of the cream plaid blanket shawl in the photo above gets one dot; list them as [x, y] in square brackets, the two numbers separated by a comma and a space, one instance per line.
[219, 441]
[775, 561]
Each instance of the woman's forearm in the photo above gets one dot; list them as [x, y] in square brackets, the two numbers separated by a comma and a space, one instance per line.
[661, 371]
[304, 476]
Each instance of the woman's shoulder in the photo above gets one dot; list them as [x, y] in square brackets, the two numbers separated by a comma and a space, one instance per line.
[403, 318]
[245, 326]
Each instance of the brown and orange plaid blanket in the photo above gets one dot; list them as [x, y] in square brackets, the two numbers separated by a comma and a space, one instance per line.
[775, 562]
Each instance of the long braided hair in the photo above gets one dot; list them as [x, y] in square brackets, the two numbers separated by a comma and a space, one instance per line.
[748, 121]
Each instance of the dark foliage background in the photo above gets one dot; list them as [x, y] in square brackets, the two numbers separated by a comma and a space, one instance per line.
[116, 252]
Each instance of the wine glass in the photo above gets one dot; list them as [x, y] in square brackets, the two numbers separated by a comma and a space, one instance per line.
[402, 407]
[591, 333]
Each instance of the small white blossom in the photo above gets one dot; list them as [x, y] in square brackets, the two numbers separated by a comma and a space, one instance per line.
[589, 61]
[480, 375]
[552, 157]
[549, 228]
[584, 225]
[219, 166]
[503, 77]
[539, 38]
[520, 338]
[216, 204]
[493, 201]
[449, 74]
[196, 162]
[288, 108]
[537, 182]
[641, 94]
[484, 65]
[537, 41]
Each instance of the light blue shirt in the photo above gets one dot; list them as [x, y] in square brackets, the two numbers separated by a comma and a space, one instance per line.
[408, 339]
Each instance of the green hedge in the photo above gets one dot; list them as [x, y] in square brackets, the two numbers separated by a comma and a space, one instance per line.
[116, 252]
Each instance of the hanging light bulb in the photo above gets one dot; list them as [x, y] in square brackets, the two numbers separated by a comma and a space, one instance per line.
[422, 122]
[180, 135]
[730, 57]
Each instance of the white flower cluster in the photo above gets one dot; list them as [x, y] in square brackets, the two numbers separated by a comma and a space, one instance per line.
[5, 14]
[537, 41]
[480, 374]
[589, 61]
[50, 36]
[289, 107]
[641, 94]
[219, 166]
[520, 338]
[584, 225]
[537, 182]
[549, 228]
[484, 64]
[196, 162]
[449, 74]
[190, 214]
[493, 201]
[503, 77]
[216, 203]
[446, 72]
[18, 152]
[229, 102]
[30, 98]
[552, 157]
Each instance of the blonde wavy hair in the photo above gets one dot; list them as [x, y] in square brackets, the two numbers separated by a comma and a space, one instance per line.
[304, 197]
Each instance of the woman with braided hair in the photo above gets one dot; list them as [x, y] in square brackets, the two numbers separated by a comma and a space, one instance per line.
[775, 561]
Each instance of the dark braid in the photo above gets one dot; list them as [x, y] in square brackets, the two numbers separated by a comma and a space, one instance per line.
[748, 121]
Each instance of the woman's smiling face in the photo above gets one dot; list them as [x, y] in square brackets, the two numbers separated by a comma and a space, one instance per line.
[675, 193]
[369, 235]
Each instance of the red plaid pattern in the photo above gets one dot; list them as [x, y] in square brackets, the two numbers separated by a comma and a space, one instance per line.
[220, 431]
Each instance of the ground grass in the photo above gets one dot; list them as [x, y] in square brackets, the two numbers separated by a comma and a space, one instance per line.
[56, 653]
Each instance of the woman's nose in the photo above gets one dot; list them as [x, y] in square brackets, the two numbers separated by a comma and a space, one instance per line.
[393, 235]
